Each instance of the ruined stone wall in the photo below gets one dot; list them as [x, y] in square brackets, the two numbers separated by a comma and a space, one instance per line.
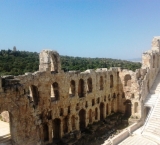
[51, 103]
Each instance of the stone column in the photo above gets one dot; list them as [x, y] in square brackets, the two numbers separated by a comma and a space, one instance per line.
[50, 130]
[41, 133]
[87, 117]
[61, 128]
[69, 123]
[98, 110]
[85, 88]
[77, 122]
[109, 108]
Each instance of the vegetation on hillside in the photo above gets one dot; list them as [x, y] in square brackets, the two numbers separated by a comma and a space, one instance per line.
[19, 62]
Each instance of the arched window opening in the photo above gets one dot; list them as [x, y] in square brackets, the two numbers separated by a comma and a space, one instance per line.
[81, 88]
[69, 109]
[117, 76]
[89, 85]
[96, 113]
[114, 96]
[72, 89]
[73, 122]
[61, 112]
[123, 95]
[101, 83]
[127, 80]
[49, 115]
[34, 94]
[101, 111]
[136, 107]
[98, 100]
[86, 105]
[82, 119]
[93, 102]
[132, 96]
[77, 106]
[45, 132]
[65, 125]
[111, 81]
[54, 91]
[105, 98]
[90, 116]
[56, 128]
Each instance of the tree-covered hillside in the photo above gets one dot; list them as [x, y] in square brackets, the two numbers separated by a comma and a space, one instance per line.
[19, 62]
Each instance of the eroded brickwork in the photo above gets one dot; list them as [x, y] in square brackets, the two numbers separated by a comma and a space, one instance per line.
[50, 103]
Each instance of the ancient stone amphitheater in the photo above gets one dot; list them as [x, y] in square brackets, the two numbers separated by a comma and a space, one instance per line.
[51, 104]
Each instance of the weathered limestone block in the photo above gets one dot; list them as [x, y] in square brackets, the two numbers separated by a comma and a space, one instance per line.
[156, 43]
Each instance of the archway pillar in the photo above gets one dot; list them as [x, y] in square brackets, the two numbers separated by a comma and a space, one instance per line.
[109, 108]
[85, 88]
[98, 115]
[77, 122]
[115, 105]
[50, 131]
[69, 123]
[87, 117]
[86, 120]
[61, 128]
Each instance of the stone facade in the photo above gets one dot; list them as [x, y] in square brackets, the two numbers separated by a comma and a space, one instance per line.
[51, 103]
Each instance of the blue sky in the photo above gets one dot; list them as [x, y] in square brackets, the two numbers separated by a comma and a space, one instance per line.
[90, 28]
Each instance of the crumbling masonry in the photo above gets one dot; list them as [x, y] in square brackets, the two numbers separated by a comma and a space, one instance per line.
[51, 103]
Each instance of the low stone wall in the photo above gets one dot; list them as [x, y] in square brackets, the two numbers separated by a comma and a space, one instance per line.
[124, 134]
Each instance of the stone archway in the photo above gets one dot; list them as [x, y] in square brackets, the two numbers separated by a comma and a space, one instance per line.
[72, 89]
[101, 111]
[127, 80]
[128, 109]
[56, 128]
[73, 122]
[5, 127]
[90, 116]
[45, 132]
[65, 125]
[96, 113]
[82, 119]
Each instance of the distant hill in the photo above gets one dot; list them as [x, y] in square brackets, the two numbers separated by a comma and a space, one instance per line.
[19, 62]
[135, 59]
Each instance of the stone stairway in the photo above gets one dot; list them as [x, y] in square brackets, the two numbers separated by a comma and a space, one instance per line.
[152, 128]
[5, 140]
[151, 100]
[149, 133]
